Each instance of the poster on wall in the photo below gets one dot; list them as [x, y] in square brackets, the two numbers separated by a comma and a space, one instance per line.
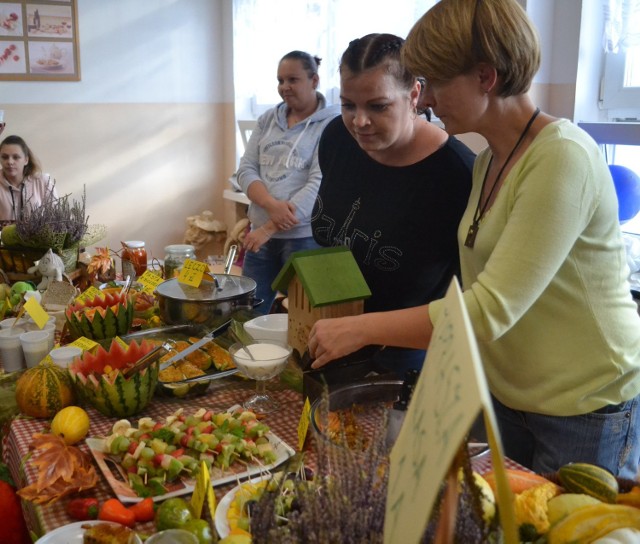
[39, 41]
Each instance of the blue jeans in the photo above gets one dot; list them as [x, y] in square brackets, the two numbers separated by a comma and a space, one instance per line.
[264, 266]
[607, 437]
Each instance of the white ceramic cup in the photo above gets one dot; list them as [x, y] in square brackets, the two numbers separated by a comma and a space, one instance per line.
[35, 345]
[64, 355]
[11, 349]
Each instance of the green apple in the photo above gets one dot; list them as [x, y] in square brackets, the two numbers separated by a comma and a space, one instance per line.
[18, 288]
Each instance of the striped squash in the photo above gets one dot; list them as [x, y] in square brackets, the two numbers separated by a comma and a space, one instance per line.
[99, 382]
[43, 390]
[590, 480]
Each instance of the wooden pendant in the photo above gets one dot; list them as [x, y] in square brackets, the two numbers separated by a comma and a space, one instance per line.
[471, 235]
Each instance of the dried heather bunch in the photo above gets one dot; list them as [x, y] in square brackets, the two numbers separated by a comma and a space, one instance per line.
[56, 223]
[347, 502]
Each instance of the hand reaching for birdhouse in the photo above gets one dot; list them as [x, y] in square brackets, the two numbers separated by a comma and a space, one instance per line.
[331, 339]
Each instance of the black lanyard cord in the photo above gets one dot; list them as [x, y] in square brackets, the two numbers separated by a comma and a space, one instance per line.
[13, 201]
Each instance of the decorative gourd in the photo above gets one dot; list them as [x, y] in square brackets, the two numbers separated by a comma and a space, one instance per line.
[589, 479]
[44, 390]
[589, 523]
[98, 379]
[102, 317]
[71, 424]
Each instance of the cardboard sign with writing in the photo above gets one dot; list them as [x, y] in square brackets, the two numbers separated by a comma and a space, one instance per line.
[447, 398]
[303, 424]
[191, 272]
[150, 280]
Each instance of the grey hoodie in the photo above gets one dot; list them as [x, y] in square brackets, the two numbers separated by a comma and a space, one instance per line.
[286, 161]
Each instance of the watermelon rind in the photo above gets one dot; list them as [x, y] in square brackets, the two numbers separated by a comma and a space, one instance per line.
[110, 392]
[113, 324]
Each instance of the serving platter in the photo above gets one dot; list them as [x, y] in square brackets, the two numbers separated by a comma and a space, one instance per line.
[117, 478]
[73, 533]
[221, 520]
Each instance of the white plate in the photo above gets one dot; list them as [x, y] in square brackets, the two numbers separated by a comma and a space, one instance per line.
[220, 517]
[183, 486]
[73, 533]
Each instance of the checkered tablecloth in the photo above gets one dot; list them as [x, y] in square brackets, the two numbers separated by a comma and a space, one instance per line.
[221, 395]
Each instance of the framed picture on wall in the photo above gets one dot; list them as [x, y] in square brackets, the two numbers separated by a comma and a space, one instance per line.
[39, 40]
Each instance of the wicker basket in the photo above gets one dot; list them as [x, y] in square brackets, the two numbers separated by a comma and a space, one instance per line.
[20, 259]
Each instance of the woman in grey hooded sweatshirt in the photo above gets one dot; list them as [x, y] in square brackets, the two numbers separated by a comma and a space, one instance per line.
[279, 172]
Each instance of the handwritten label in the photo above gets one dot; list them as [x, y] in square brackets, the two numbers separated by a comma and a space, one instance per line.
[303, 424]
[192, 272]
[36, 311]
[450, 393]
[84, 343]
[149, 281]
[203, 491]
[90, 294]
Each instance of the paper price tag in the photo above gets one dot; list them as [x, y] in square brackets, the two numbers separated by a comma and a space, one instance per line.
[202, 492]
[303, 424]
[149, 280]
[84, 343]
[89, 294]
[192, 272]
[37, 312]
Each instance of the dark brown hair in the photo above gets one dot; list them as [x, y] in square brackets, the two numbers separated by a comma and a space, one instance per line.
[373, 50]
[33, 166]
[309, 63]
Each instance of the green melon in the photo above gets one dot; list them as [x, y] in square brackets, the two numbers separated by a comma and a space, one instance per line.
[100, 318]
[98, 379]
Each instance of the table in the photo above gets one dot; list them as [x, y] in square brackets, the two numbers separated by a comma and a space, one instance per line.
[221, 395]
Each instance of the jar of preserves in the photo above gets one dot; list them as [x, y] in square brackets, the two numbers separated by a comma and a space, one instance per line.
[134, 259]
[175, 256]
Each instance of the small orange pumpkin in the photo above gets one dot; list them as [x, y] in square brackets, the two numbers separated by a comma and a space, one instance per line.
[44, 390]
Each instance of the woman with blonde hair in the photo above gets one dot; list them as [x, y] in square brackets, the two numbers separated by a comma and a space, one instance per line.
[543, 263]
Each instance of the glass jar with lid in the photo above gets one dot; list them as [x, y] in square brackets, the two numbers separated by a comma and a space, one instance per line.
[134, 259]
[175, 256]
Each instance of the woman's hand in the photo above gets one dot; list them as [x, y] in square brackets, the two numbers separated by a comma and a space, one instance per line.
[255, 239]
[331, 339]
[282, 213]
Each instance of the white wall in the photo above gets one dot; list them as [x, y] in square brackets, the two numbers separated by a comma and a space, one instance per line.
[149, 128]
[160, 51]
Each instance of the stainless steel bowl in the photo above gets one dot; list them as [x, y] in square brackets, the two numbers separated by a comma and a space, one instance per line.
[208, 305]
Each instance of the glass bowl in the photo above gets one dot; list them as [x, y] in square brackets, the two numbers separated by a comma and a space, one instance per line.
[270, 359]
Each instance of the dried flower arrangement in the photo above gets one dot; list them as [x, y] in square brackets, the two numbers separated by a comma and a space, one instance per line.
[348, 502]
[58, 223]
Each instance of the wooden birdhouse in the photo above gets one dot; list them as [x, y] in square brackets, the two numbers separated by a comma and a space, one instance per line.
[320, 283]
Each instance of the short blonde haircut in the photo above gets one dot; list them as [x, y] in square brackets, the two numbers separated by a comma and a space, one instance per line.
[455, 35]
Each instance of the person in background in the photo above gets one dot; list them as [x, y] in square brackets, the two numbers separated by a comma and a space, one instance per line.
[543, 263]
[394, 186]
[279, 172]
[22, 183]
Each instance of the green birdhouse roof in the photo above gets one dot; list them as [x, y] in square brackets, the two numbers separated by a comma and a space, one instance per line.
[329, 275]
